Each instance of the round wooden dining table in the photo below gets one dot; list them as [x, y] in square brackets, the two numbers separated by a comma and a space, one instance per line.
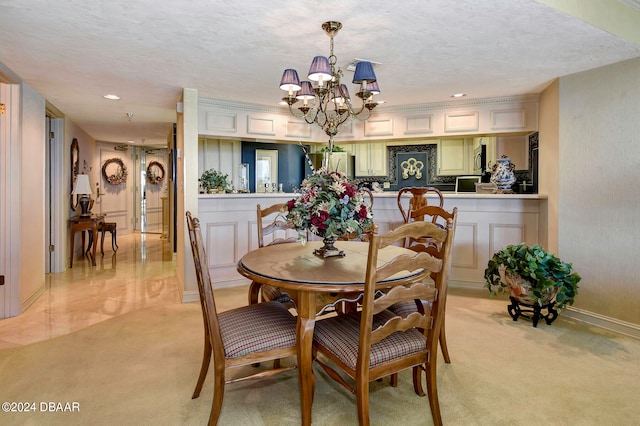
[314, 283]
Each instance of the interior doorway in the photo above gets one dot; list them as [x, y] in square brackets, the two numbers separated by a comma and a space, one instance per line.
[151, 187]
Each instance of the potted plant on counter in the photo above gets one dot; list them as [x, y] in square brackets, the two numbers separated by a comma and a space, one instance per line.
[213, 180]
[535, 279]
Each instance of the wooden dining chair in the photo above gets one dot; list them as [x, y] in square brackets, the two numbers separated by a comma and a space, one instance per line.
[418, 198]
[375, 342]
[278, 230]
[441, 218]
[238, 337]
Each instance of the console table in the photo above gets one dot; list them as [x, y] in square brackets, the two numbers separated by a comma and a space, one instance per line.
[82, 224]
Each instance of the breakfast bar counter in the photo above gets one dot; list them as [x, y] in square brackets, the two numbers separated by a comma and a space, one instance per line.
[486, 223]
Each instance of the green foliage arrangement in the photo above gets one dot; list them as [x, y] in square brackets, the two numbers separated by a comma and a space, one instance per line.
[213, 179]
[336, 148]
[543, 270]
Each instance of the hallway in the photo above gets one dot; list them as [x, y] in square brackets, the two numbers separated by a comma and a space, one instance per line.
[139, 275]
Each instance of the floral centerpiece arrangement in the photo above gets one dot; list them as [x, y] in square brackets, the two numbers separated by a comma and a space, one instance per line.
[330, 207]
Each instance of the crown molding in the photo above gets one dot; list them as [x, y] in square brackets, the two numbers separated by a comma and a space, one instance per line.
[242, 106]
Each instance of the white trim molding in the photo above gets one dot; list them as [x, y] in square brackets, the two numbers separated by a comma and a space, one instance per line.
[604, 322]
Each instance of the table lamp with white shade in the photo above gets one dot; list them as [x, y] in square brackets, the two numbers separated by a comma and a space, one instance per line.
[83, 188]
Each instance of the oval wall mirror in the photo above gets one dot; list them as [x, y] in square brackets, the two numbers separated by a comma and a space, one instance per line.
[75, 168]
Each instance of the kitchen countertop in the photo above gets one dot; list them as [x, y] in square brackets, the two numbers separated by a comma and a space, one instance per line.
[386, 194]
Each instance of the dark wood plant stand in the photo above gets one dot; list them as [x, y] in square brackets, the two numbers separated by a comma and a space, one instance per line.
[532, 311]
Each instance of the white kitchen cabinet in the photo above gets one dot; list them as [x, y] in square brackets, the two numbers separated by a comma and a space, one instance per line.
[371, 159]
[454, 156]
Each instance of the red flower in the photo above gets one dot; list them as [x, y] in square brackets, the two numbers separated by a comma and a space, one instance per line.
[290, 204]
[349, 190]
[362, 214]
[318, 219]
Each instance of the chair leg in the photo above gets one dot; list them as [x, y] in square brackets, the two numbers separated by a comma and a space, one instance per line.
[102, 242]
[114, 245]
[432, 391]
[443, 344]
[90, 233]
[394, 380]
[206, 360]
[218, 395]
[417, 381]
[362, 396]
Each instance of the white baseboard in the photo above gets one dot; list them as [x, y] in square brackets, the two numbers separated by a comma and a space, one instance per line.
[587, 317]
[469, 285]
[32, 298]
[189, 296]
[601, 321]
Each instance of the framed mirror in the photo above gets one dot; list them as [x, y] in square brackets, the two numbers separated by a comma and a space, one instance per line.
[75, 168]
[266, 170]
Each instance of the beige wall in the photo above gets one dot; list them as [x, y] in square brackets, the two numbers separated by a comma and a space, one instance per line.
[86, 148]
[599, 187]
[548, 163]
[187, 187]
[32, 196]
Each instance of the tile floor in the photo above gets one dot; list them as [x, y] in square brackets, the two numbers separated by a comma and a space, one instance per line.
[139, 275]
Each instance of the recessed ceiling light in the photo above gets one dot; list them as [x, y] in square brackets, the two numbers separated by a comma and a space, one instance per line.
[458, 95]
[351, 66]
[112, 97]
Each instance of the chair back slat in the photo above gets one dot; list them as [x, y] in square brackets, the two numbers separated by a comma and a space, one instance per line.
[278, 227]
[397, 323]
[418, 291]
[433, 214]
[409, 263]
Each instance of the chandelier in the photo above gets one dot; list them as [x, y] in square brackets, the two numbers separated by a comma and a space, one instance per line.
[326, 101]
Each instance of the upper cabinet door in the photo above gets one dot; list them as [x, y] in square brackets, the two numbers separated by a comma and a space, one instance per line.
[371, 159]
[453, 156]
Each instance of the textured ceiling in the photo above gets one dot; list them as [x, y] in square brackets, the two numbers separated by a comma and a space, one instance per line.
[74, 52]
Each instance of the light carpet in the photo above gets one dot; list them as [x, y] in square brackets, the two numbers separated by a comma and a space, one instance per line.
[140, 369]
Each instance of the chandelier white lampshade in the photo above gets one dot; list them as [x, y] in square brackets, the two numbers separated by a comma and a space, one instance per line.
[326, 100]
[83, 188]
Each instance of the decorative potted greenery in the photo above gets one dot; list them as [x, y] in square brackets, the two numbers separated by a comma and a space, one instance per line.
[535, 278]
[213, 180]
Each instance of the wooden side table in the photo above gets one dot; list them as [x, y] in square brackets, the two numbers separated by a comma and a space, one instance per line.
[82, 224]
